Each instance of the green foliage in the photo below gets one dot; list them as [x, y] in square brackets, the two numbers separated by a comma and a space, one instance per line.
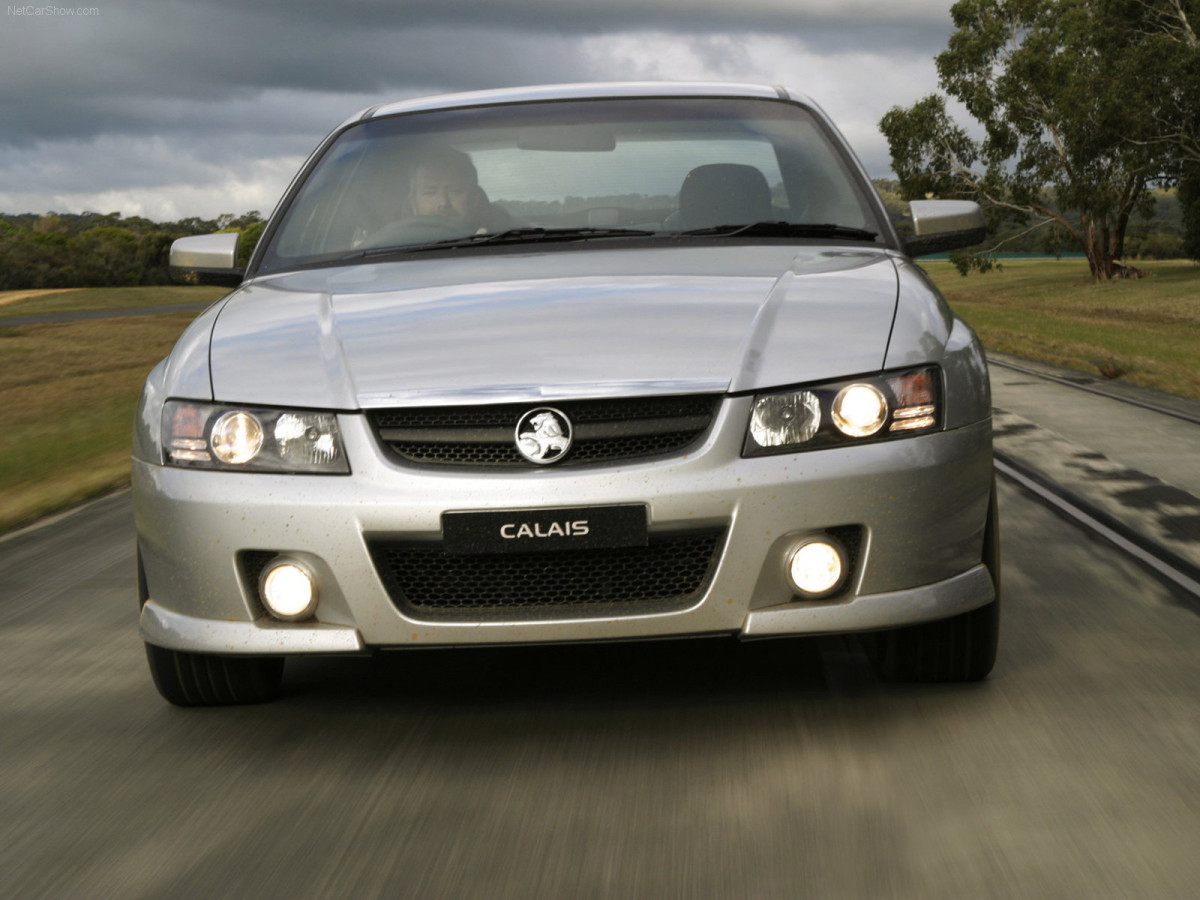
[93, 250]
[1189, 202]
[895, 204]
[250, 235]
[250, 228]
[929, 152]
[966, 263]
[1069, 95]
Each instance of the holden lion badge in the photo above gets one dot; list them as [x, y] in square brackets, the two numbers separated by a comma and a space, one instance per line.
[544, 435]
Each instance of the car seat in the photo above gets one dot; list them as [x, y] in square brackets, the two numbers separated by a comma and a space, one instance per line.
[723, 194]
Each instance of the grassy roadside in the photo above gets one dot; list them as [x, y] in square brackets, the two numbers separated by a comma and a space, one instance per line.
[1145, 331]
[101, 298]
[69, 390]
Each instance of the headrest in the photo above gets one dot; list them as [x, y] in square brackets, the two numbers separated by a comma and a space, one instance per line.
[724, 194]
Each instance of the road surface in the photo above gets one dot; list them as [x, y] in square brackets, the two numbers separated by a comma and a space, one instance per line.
[690, 769]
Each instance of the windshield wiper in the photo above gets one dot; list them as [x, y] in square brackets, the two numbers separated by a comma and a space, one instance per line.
[518, 235]
[535, 235]
[785, 229]
[510, 236]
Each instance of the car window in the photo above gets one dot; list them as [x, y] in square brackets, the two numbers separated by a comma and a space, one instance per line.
[547, 187]
[669, 166]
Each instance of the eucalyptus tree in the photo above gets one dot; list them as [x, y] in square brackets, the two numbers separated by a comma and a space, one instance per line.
[1169, 31]
[1168, 43]
[1067, 102]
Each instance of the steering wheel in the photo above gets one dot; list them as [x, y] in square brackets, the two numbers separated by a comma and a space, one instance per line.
[415, 230]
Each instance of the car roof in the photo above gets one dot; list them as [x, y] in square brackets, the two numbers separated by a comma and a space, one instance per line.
[585, 91]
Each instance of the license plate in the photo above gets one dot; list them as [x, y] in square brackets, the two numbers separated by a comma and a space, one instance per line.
[542, 530]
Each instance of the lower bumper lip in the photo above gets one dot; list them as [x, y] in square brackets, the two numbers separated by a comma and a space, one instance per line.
[958, 594]
[175, 631]
[949, 597]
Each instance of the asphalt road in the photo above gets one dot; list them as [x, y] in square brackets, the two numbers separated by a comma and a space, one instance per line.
[691, 769]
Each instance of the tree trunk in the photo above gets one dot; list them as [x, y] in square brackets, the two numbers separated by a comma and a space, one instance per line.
[1098, 248]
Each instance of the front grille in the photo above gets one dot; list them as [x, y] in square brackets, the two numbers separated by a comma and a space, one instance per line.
[669, 573]
[608, 430]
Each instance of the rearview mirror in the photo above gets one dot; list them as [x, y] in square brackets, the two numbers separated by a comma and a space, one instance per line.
[943, 225]
[567, 138]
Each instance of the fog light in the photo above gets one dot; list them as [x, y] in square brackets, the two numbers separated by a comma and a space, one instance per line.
[288, 590]
[817, 567]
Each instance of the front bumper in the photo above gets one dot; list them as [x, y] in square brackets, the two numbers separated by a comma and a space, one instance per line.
[930, 602]
[921, 504]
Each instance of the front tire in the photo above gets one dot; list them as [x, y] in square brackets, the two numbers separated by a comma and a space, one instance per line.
[201, 679]
[961, 648]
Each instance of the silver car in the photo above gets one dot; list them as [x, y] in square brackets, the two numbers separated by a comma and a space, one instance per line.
[573, 363]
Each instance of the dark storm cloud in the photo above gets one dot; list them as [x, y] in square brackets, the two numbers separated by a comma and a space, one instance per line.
[79, 77]
[147, 81]
[186, 96]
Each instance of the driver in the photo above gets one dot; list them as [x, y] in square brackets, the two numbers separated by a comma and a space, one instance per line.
[444, 185]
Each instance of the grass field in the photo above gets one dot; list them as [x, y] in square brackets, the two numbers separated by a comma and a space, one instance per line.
[69, 391]
[1146, 331]
[16, 303]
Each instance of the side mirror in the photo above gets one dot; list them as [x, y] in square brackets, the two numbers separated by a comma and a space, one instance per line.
[207, 259]
[943, 225]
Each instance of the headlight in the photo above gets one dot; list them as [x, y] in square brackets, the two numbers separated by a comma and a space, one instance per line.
[859, 410]
[854, 411]
[252, 439]
[780, 420]
[236, 438]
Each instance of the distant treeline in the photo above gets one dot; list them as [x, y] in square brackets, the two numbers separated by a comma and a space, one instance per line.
[61, 250]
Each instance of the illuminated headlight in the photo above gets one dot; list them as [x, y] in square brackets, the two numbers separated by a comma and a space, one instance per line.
[236, 438]
[883, 407]
[288, 590]
[252, 439]
[859, 410]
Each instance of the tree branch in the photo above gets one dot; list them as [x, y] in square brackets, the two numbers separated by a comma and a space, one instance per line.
[1172, 21]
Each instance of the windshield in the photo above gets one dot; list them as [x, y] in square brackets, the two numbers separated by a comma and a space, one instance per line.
[578, 170]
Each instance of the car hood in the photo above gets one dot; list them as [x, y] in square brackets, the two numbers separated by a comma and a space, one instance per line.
[554, 325]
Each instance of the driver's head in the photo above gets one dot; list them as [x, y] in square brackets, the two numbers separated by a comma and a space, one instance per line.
[444, 184]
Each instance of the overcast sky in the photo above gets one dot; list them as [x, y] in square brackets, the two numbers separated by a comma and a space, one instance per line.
[170, 109]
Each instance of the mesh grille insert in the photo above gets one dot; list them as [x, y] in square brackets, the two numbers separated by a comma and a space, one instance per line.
[669, 573]
[251, 564]
[851, 537]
